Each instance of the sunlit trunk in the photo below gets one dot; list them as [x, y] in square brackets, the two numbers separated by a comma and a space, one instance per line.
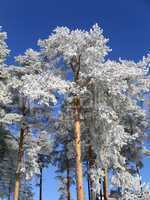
[75, 66]
[20, 155]
[105, 185]
[79, 172]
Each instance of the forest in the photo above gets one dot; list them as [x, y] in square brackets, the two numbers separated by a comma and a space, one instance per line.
[67, 105]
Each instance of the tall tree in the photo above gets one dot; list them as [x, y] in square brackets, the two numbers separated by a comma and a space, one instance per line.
[102, 106]
[81, 51]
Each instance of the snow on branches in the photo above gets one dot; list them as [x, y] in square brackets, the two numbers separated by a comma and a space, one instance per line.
[70, 64]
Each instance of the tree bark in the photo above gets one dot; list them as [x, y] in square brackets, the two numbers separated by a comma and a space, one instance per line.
[91, 166]
[20, 155]
[79, 172]
[75, 66]
[68, 181]
[105, 185]
[40, 192]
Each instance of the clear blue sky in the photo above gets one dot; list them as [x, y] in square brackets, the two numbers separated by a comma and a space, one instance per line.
[125, 22]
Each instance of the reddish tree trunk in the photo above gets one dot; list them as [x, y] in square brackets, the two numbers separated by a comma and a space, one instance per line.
[68, 181]
[20, 155]
[105, 185]
[79, 173]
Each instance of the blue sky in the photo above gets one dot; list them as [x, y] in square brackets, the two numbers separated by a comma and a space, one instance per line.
[125, 22]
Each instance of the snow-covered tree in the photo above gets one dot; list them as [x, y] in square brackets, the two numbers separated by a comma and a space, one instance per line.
[101, 123]
[110, 89]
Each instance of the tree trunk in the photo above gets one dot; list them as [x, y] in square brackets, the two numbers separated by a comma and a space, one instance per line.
[68, 181]
[91, 166]
[20, 155]
[105, 185]
[75, 66]
[40, 193]
[79, 172]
